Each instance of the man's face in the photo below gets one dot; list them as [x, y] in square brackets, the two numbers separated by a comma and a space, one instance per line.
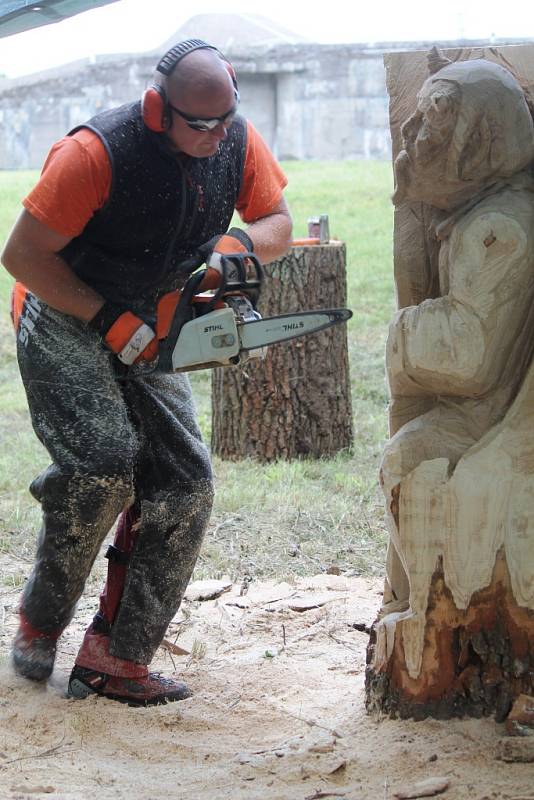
[209, 105]
[421, 166]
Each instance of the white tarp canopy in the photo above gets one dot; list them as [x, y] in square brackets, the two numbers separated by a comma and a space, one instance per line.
[21, 15]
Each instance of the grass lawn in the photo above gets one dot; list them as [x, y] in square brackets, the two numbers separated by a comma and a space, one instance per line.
[286, 518]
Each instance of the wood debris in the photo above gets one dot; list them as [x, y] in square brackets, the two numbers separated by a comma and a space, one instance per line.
[520, 720]
[323, 747]
[174, 648]
[516, 749]
[337, 766]
[312, 600]
[427, 788]
[239, 602]
[207, 590]
[363, 627]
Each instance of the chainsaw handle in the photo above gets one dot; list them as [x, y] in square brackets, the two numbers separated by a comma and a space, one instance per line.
[241, 263]
[192, 263]
[234, 277]
[191, 287]
[184, 313]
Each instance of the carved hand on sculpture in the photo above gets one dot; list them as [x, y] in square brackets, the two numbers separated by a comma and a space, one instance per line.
[458, 345]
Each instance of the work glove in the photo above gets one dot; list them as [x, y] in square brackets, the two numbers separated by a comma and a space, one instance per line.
[166, 311]
[126, 334]
[234, 241]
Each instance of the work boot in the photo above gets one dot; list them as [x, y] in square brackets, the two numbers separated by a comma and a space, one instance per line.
[33, 652]
[150, 690]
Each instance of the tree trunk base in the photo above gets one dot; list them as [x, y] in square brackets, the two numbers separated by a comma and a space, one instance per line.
[475, 661]
[296, 403]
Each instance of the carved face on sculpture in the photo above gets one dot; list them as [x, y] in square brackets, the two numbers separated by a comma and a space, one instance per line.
[472, 126]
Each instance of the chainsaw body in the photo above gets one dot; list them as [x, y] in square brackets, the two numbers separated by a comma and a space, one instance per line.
[224, 328]
[213, 339]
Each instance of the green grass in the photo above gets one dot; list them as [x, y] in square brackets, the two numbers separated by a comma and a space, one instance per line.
[13, 187]
[285, 518]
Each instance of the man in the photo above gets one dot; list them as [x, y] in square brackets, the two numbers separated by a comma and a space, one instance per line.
[122, 204]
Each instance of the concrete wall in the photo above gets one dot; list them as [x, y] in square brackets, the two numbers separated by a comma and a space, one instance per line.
[38, 110]
[333, 106]
[258, 102]
[308, 101]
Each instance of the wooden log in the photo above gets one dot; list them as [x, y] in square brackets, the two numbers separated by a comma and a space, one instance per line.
[474, 661]
[296, 402]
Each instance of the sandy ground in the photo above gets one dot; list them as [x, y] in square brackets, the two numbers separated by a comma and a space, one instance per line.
[277, 712]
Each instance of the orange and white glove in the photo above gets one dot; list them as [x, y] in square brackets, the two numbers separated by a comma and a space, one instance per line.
[233, 242]
[126, 334]
[166, 311]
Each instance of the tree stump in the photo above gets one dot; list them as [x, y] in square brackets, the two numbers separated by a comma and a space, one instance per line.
[296, 402]
[474, 661]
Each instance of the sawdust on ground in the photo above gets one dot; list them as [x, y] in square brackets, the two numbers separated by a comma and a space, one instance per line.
[277, 713]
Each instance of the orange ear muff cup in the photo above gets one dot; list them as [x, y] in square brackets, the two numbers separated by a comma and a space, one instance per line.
[154, 109]
[231, 72]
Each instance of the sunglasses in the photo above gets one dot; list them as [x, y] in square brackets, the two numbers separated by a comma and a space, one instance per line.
[204, 125]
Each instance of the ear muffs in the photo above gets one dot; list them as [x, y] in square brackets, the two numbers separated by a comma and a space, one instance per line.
[154, 109]
[231, 71]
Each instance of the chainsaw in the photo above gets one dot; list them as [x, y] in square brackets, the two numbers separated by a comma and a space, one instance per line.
[224, 328]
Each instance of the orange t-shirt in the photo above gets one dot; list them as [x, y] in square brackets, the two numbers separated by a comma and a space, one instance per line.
[76, 179]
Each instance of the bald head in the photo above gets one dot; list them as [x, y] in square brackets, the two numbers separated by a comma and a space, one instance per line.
[199, 90]
[202, 73]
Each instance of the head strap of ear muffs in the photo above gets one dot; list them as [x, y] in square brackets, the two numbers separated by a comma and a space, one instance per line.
[171, 58]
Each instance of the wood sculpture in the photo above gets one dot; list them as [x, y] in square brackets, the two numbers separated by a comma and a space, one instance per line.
[456, 631]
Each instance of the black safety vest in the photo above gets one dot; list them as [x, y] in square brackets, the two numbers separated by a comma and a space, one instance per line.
[161, 207]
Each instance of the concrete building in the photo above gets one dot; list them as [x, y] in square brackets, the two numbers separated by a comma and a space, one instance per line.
[309, 101]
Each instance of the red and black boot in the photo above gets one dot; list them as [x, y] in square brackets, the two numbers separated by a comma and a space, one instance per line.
[150, 689]
[98, 672]
[34, 651]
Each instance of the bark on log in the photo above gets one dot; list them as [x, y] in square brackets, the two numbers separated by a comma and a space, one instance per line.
[475, 661]
[296, 402]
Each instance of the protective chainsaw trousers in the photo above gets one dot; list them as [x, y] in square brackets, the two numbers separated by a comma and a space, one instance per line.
[117, 442]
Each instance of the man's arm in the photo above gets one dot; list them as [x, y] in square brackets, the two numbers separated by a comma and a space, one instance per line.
[261, 204]
[271, 235]
[31, 257]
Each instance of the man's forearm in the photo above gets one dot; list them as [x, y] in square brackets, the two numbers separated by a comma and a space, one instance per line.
[31, 257]
[271, 235]
[53, 281]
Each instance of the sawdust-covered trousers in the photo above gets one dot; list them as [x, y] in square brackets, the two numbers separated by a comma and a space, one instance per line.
[115, 442]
